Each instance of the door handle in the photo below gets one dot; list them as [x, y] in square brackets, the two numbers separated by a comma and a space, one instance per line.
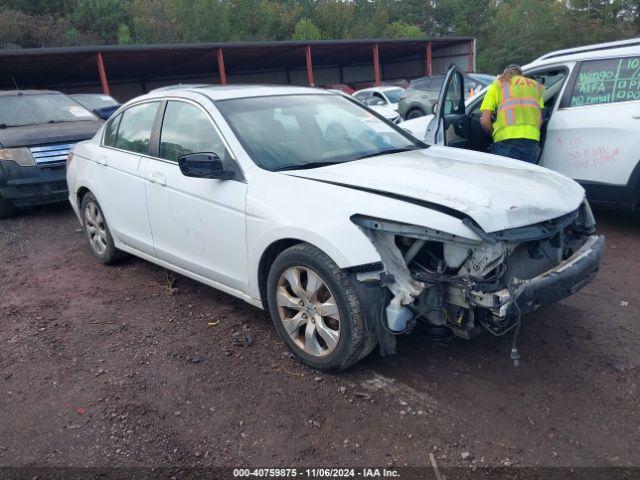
[636, 117]
[101, 159]
[159, 178]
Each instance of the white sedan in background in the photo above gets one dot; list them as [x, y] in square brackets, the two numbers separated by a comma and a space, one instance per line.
[388, 97]
[338, 222]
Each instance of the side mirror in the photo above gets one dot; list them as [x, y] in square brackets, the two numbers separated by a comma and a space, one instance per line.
[434, 107]
[204, 165]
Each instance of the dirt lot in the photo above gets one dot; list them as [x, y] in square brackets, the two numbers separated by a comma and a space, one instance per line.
[106, 366]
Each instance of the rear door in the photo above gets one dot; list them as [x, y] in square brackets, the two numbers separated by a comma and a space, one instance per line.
[198, 224]
[593, 136]
[121, 186]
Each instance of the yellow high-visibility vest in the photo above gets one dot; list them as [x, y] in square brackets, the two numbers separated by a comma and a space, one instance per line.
[519, 108]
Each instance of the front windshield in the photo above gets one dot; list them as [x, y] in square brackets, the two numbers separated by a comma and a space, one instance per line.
[29, 109]
[94, 102]
[290, 131]
[394, 95]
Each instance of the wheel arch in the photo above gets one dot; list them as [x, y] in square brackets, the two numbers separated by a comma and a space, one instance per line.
[416, 107]
[80, 193]
[266, 260]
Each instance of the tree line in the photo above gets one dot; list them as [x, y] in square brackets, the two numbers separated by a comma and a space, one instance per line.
[507, 31]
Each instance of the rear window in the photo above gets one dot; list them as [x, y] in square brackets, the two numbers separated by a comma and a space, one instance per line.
[28, 109]
[111, 131]
[609, 80]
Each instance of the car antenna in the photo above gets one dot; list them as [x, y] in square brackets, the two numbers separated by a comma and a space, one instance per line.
[17, 86]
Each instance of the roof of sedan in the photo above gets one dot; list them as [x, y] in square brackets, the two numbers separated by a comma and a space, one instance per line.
[225, 92]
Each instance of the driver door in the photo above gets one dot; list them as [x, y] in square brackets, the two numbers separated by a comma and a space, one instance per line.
[197, 224]
[450, 124]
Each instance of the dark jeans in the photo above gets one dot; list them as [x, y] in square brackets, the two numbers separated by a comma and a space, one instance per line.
[518, 148]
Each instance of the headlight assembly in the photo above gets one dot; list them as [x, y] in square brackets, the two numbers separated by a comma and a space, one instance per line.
[411, 231]
[22, 156]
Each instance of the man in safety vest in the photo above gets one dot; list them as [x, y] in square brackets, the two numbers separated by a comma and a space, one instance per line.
[517, 104]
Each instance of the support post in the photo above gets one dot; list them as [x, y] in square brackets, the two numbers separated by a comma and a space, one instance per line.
[428, 70]
[470, 60]
[307, 53]
[102, 73]
[376, 64]
[221, 69]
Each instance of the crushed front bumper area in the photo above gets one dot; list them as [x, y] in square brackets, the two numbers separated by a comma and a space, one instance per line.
[566, 278]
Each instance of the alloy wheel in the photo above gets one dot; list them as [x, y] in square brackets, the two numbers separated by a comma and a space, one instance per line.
[308, 311]
[95, 227]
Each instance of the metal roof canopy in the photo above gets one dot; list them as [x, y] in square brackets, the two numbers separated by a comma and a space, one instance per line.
[41, 67]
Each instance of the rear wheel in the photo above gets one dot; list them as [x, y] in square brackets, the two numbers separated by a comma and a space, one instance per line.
[415, 113]
[315, 309]
[97, 231]
[7, 208]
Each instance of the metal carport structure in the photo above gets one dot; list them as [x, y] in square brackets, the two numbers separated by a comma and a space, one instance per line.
[129, 70]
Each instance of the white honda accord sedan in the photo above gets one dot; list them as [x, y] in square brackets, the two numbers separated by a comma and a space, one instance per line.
[344, 227]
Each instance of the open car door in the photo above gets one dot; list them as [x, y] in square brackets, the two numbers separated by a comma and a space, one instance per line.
[451, 124]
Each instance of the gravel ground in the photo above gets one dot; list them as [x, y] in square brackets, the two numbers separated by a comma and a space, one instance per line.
[129, 366]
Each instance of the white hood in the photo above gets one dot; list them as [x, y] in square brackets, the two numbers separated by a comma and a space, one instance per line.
[498, 193]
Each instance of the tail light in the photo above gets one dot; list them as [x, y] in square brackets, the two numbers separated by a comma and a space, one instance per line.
[69, 158]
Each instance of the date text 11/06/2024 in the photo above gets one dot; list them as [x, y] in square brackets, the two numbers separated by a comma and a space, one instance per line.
[316, 472]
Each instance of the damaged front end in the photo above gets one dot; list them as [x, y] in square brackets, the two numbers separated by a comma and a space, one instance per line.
[460, 285]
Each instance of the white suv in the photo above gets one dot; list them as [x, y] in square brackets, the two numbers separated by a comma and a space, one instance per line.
[341, 224]
[591, 119]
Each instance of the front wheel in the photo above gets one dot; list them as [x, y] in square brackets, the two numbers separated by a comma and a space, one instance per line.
[315, 309]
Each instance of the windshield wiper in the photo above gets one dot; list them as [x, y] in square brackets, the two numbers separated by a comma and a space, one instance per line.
[304, 166]
[387, 152]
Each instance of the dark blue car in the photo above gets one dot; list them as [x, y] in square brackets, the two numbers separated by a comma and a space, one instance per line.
[37, 130]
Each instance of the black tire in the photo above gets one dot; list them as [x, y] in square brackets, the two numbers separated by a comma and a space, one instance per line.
[355, 340]
[7, 209]
[110, 254]
[415, 113]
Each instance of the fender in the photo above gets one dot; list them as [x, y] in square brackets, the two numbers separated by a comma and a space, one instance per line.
[352, 249]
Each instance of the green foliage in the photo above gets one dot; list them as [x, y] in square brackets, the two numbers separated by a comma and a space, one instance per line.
[400, 29]
[333, 18]
[201, 20]
[506, 30]
[101, 17]
[306, 30]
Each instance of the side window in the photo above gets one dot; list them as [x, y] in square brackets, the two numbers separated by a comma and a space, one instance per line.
[453, 99]
[609, 80]
[363, 96]
[110, 131]
[421, 84]
[436, 84]
[187, 129]
[378, 99]
[134, 132]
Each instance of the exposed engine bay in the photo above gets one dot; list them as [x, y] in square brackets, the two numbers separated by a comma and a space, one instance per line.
[469, 285]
